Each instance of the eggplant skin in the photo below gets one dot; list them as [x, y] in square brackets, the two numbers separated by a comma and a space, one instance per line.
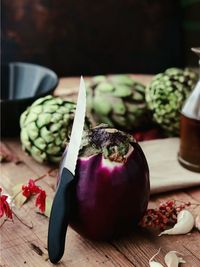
[106, 202]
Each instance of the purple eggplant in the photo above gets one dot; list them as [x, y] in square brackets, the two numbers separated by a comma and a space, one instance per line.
[111, 189]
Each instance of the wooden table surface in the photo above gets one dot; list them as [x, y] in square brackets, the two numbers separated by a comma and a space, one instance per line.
[21, 246]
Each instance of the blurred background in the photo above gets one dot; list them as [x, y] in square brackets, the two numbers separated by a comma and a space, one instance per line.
[96, 37]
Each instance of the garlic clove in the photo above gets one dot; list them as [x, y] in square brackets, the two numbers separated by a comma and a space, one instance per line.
[155, 263]
[172, 260]
[181, 260]
[185, 223]
[197, 222]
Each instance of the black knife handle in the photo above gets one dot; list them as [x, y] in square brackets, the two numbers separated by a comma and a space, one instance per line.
[59, 217]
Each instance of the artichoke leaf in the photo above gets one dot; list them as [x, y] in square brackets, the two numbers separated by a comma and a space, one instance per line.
[119, 120]
[52, 149]
[138, 96]
[31, 117]
[37, 154]
[102, 105]
[107, 120]
[46, 134]
[36, 109]
[32, 130]
[53, 101]
[122, 91]
[105, 87]
[122, 79]
[43, 119]
[50, 108]
[99, 79]
[40, 143]
[61, 110]
[41, 100]
[54, 127]
[23, 117]
[119, 107]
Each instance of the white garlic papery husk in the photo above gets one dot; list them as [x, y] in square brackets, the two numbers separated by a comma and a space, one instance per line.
[185, 223]
[172, 260]
[155, 263]
[197, 222]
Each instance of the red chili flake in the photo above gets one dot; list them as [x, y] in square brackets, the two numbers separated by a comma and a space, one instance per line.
[30, 189]
[4, 206]
[40, 200]
[163, 216]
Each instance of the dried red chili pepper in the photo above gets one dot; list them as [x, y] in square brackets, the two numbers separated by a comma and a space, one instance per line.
[41, 200]
[32, 189]
[4, 206]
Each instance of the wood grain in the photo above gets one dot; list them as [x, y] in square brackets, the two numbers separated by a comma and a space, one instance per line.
[17, 240]
[21, 246]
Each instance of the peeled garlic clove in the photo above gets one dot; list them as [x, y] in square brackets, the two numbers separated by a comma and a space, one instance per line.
[185, 223]
[155, 263]
[172, 260]
[197, 222]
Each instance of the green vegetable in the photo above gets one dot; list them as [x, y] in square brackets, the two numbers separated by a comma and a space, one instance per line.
[46, 127]
[166, 94]
[118, 101]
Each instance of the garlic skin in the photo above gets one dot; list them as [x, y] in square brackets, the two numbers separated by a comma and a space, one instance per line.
[172, 260]
[197, 222]
[155, 263]
[185, 223]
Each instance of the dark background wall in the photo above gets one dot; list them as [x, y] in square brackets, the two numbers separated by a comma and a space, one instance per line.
[190, 29]
[95, 37]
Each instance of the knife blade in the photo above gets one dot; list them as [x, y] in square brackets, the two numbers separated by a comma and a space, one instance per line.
[60, 210]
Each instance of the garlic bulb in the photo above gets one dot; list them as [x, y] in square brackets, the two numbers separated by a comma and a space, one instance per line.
[185, 223]
[172, 260]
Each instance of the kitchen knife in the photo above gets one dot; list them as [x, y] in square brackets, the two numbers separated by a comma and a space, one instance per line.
[60, 210]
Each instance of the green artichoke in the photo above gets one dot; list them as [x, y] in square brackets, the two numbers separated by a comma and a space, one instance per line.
[46, 127]
[118, 101]
[166, 94]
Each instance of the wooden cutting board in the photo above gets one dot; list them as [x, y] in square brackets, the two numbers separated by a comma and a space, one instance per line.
[166, 173]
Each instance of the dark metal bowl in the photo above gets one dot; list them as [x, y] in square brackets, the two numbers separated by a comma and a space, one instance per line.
[22, 84]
